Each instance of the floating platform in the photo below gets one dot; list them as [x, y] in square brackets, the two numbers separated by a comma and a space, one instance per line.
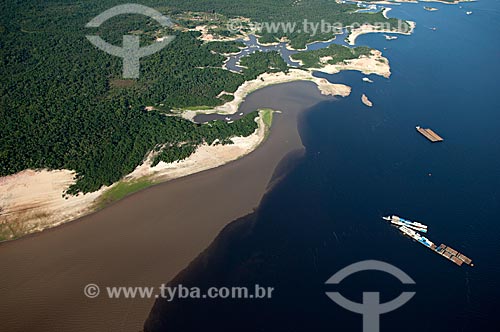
[430, 135]
[453, 255]
[443, 250]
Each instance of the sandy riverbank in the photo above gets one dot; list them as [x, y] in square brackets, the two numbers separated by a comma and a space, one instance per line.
[375, 63]
[368, 28]
[205, 157]
[449, 2]
[32, 201]
[44, 275]
[266, 80]
[392, 2]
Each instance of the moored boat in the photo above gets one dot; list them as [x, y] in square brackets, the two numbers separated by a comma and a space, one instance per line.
[415, 225]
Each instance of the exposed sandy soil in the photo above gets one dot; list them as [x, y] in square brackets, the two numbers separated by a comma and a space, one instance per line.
[368, 28]
[208, 37]
[205, 157]
[205, 36]
[33, 200]
[144, 239]
[385, 11]
[448, 2]
[366, 101]
[375, 63]
[384, 2]
[267, 79]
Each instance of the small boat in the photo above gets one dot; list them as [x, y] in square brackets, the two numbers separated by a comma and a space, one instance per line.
[387, 37]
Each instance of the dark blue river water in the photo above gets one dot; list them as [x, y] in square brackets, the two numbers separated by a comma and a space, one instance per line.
[363, 163]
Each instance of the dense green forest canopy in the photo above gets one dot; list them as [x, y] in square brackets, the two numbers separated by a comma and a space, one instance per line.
[335, 53]
[225, 47]
[63, 104]
[314, 11]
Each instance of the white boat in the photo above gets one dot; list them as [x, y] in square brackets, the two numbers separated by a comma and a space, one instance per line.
[419, 238]
[387, 37]
[414, 225]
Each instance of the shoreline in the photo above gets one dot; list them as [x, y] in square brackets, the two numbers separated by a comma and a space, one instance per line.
[45, 206]
[385, 11]
[28, 207]
[39, 208]
[396, 2]
[37, 195]
[176, 218]
[368, 28]
[456, 2]
[266, 80]
[375, 64]
[206, 157]
[366, 101]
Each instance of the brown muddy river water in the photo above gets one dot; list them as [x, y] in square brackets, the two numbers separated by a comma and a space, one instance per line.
[142, 240]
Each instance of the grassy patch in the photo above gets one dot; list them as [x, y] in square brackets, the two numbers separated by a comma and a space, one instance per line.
[197, 108]
[5, 233]
[267, 117]
[123, 189]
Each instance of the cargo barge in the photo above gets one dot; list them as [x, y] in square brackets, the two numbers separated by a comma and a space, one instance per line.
[430, 134]
[453, 255]
[443, 250]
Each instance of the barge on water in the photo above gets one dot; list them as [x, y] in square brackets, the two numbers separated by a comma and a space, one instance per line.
[430, 134]
[443, 250]
[398, 221]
